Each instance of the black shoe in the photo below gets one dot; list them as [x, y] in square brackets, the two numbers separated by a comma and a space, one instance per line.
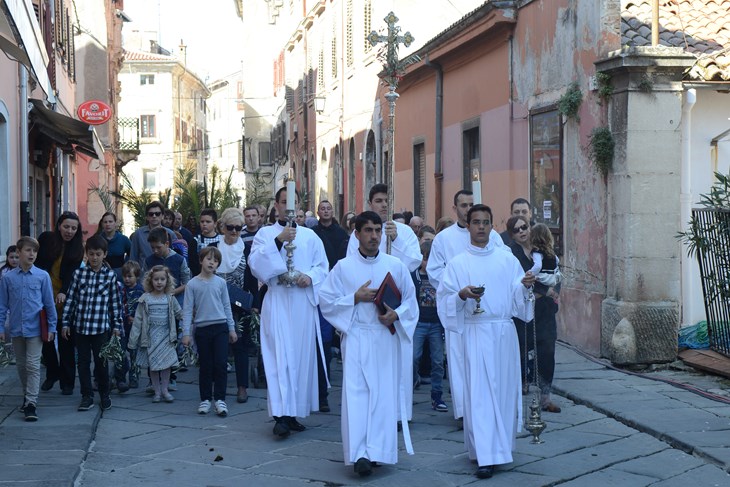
[133, 383]
[324, 406]
[87, 402]
[281, 428]
[29, 411]
[106, 403]
[67, 391]
[363, 467]
[47, 385]
[485, 472]
[122, 387]
[295, 425]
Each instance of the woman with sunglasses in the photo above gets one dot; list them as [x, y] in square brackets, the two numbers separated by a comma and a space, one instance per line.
[60, 254]
[233, 269]
[545, 310]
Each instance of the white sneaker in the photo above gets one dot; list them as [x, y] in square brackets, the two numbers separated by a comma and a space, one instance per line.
[204, 407]
[221, 409]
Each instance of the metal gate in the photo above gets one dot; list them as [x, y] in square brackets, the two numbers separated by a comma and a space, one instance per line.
[713, 254]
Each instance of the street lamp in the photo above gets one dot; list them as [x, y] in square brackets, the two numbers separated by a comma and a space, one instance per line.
[319, 102]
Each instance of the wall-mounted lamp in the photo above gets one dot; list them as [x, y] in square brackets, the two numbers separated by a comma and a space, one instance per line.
[319, 104]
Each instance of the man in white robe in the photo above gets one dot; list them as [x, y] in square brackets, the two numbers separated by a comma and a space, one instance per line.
[289, 318]
[404, 246]
[492, 384]
[371, 355]
[449, 243]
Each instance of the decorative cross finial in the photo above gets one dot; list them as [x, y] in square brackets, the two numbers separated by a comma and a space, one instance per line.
[392, 66]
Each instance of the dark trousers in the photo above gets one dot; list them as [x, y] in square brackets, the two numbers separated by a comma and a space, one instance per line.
[212, 342]
[240, 352]
[61, 365]
[547, 335]
[321, 368]
[88, 347]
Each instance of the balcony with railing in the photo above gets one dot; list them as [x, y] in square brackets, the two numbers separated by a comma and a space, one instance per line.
[128, 140]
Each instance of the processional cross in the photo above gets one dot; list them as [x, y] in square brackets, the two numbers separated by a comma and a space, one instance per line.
[392, 69]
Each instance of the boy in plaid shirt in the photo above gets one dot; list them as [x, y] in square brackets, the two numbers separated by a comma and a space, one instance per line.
[93, 308]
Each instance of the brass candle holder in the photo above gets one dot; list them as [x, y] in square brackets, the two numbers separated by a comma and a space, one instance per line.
[291, 276]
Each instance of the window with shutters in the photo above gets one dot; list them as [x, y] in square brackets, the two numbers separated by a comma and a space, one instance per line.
[240, 155]
[368, 25]
[333, 64]
[147, 126]
[471, 158]
[265, 154]
[320, 69]
[419, 179]
[348, 34]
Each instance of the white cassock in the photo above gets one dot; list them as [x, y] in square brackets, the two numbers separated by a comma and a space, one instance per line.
[371, 356]
[407, 249]
[289, 320]
[492, 384]
[450, 242]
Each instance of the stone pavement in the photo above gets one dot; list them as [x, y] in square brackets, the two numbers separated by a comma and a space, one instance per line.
[615, 429]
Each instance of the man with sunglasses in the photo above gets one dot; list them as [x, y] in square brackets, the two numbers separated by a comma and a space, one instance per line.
[449, 243]
[519, 207]
[140, 246]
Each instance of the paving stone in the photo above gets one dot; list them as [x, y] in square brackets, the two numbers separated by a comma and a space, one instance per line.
[605, 426]
[706, 476]
[611, 477]
[662, 465]
[584, 461]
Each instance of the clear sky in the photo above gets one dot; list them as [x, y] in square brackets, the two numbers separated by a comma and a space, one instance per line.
[210, 29]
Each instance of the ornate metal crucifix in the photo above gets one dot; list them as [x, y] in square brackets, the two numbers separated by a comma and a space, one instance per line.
[392, 68]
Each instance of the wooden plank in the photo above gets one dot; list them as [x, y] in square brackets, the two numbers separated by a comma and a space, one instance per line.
[707, 360]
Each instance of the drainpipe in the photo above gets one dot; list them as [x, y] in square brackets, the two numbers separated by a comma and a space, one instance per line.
[24, 159]
[438, 175]
[685, 201]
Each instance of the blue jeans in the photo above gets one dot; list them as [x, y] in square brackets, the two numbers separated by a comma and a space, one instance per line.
[433, 332]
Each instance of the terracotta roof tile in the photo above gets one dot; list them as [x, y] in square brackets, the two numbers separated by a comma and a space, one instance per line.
[702, 27]
[146, 56]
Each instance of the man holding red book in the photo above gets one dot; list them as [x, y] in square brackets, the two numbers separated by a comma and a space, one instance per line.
[372, 355]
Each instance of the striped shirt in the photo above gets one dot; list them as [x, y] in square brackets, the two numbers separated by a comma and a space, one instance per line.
[93, 305]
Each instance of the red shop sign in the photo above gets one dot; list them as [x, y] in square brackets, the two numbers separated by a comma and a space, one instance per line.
[94, 112]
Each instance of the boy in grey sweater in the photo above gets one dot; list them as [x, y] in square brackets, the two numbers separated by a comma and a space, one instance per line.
[208, 308]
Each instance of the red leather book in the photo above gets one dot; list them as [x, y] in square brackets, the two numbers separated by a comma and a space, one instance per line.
[389, 294]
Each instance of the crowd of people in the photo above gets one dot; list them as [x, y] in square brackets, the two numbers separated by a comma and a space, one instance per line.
[401, 300]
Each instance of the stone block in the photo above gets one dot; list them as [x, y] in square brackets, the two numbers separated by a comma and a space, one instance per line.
[644, 279]
[654, 324]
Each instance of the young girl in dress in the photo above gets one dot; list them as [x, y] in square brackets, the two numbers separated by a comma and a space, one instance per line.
[154, 333]
[545, 266]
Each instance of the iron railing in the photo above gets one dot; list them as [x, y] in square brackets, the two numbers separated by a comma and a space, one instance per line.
[713, 254]
[128, 129]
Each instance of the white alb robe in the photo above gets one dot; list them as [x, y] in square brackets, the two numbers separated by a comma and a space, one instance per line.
[407, 249]
[492, 384]
[371, 356]
[289, 320]
[449, 243]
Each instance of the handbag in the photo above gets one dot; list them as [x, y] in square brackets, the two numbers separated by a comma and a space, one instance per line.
[240, 298]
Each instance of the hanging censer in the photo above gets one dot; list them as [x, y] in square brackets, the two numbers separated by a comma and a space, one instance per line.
[534, 423]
